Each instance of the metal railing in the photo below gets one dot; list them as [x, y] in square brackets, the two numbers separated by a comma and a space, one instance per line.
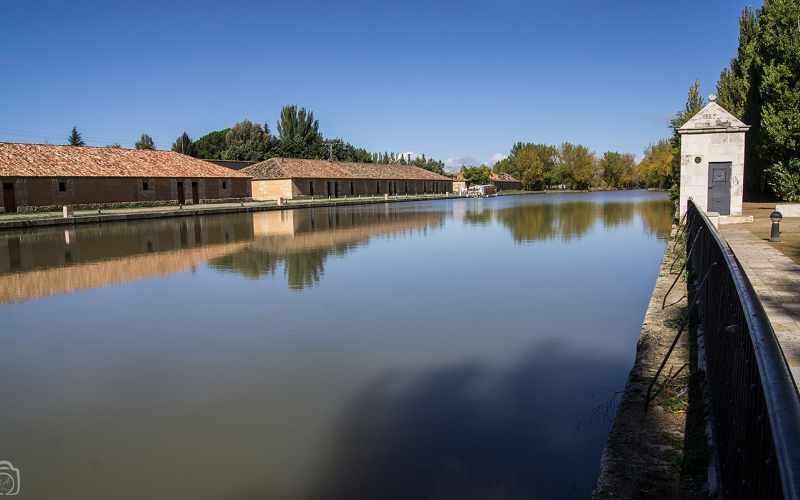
[754, 403]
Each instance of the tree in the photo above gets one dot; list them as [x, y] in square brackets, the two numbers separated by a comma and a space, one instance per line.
[655, 168]
[246, 141]
[694, 103]
[612, 168]
[785, 179]
[74, 138]
[762, 88]
[114, 146]
[577, 166]
[184, 145]
[534, 173]
[146, 142]
[477, 175]
[299, 133]
[211, 145]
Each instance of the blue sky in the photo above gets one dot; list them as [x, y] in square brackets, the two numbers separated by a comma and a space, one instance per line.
[453, 80]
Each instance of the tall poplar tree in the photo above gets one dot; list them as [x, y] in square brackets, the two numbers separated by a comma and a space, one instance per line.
[762, 88]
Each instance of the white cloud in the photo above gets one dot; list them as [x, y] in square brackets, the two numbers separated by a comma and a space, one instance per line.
[410, 155]
[494, 159]
[454, 164]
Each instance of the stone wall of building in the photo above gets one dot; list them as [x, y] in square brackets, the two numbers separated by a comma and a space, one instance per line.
[39, 192]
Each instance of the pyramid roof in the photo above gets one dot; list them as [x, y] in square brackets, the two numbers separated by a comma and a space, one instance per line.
[713, 118]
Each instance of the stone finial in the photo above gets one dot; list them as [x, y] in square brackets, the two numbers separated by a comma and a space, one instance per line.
[712, 98]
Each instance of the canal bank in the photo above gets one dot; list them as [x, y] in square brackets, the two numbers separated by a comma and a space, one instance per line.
[43, 219]
[663, 452]
[21, 220]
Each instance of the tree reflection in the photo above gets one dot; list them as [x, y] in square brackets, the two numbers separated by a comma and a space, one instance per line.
[547, 221]
[656, 217]
[479, 217]
[568, 221]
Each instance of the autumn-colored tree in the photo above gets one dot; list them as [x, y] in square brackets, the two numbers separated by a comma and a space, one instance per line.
[577, 166]
[656, 165]
[534, 173]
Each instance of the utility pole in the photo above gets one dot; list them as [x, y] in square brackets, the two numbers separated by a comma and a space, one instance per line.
[330, 149]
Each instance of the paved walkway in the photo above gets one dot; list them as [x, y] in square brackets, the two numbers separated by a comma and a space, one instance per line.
[774, 276]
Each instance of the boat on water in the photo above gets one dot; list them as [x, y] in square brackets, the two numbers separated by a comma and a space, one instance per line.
[482, 191]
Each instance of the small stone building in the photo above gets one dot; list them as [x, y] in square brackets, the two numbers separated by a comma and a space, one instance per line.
[44, 175]
[290, 178]
[504, 182]
[712, 160]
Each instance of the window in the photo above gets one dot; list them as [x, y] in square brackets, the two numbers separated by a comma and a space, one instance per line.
[62, 186]
[224, 185]
[144, 186]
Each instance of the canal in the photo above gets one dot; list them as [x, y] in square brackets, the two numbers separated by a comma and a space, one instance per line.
[441, 349]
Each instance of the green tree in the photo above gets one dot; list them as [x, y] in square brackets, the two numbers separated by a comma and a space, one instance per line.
[74, 138]
[477, 175]
[762, 87]
[612, 167]
[694, 103]
[577, 166]
[299, 133]
[114, 146]
[785, 179]
[146, 142]
[247, 141]
[211, 145]
[546, 154]
[184, 145]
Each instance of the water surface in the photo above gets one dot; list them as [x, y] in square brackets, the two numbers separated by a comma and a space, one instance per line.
[442, 349]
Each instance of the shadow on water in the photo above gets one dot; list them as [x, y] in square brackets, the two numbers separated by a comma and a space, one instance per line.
[467, 432]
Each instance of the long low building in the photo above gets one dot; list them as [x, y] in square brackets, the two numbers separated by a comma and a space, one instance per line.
[294, 178]
[44, 175]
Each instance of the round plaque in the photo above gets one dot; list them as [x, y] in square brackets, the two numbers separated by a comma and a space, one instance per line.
[697, 159]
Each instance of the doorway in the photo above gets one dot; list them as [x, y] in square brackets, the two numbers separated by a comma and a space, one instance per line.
[8, 197]
[195, 196]
[181, 196]
[719, 187]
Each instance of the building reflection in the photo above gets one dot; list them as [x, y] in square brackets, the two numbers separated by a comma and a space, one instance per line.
[48, 262]
[301, 241]
[42, 263]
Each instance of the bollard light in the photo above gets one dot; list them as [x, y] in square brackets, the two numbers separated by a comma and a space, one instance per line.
[776, 217]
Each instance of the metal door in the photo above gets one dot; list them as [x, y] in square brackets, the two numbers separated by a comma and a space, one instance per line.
[719, 187]
[8, 197]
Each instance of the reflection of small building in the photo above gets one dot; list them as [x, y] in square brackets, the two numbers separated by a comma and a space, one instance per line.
[504, 182]
[37, 175]
[294, 178]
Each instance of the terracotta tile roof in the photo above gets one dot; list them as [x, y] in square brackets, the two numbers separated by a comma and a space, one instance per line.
[502, 176]
[289, 168]
[45, 160]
